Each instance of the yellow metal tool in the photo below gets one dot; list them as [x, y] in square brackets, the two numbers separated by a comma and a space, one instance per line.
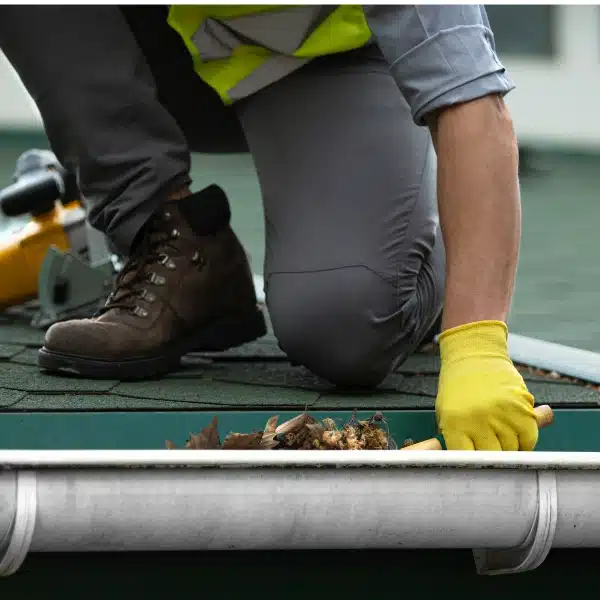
[56, 258]
[57, 219]
[22, 255]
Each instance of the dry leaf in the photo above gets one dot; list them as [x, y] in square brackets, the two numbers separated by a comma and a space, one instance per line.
[301, 433]
[207, 439]
[332, 440]
[315, 436]
[243, 441]
[329, 424]
[294, 425]
[170, 445]
[268, 440]
[355, 435]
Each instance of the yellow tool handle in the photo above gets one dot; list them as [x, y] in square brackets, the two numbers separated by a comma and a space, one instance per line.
[543, 415]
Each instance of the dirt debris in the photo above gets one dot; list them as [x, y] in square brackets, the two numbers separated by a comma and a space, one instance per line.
[303, 432]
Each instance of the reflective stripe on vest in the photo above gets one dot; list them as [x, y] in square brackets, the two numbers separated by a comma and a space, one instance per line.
[239, 50]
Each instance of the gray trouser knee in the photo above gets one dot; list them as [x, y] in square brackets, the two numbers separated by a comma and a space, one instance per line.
[348, 325]
[354, 261]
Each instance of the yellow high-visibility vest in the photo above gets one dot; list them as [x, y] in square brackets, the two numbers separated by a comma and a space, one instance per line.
[240, 49]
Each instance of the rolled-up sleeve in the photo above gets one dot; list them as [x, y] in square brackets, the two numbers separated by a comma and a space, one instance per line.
[439, 55]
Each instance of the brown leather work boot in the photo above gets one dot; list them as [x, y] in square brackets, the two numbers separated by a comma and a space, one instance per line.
[187, 287]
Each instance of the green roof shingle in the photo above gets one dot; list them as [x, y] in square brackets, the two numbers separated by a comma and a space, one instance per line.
[256, 376]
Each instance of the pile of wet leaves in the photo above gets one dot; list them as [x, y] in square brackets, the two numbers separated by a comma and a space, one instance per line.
[303, 432]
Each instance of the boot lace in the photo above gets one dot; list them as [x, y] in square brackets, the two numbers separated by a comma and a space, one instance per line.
[130, 283]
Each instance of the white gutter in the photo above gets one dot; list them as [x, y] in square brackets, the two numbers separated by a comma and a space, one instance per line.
[566, 360]
[516, 506]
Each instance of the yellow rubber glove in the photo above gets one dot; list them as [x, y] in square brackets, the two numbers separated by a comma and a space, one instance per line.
[482, 402]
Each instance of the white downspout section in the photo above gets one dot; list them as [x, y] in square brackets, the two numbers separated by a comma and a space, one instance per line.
[511, 507]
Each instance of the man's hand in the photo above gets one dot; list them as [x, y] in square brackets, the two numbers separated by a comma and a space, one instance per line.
[483, 402]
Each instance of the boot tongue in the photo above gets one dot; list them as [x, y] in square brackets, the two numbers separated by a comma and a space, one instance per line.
[205, 212]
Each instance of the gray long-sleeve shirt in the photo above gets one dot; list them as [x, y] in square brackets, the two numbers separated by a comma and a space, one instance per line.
[439, 55]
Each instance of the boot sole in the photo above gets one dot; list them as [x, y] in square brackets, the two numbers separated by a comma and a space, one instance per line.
[218, 336]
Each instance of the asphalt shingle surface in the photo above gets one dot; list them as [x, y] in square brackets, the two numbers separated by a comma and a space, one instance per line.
[257, 376]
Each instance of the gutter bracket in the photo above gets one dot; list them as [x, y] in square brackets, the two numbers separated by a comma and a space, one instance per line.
[534, 550]
[23, 526]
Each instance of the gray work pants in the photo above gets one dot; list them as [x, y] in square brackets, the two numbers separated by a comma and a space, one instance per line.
[354, 265]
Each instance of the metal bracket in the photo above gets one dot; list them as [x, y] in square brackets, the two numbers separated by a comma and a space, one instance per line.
[70, 287]
[98, 250]
[534, 550]
[23, 524]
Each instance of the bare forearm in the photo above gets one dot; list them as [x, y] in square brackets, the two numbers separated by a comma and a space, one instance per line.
[479, 204]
